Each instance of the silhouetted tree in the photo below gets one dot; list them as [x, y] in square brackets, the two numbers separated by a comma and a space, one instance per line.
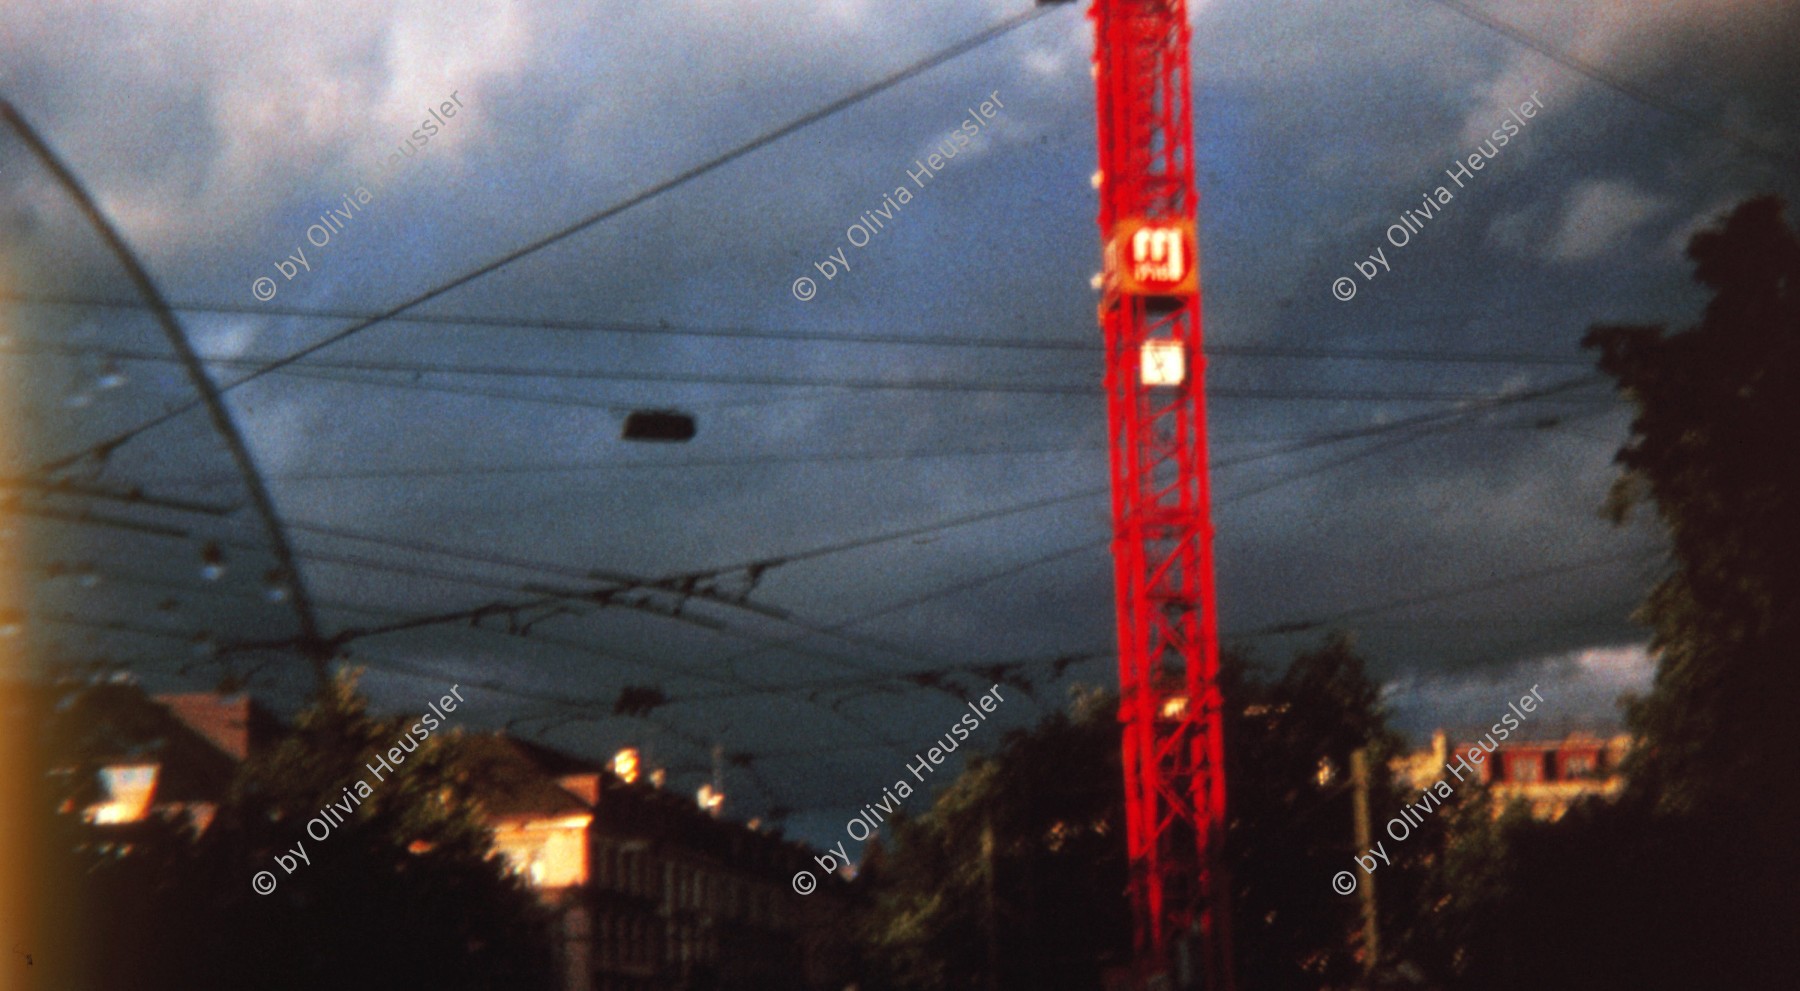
[402, 892]
[1689, 880]
[1288, 750]
[1715, 450]
[1053, 798]
[1051, 801]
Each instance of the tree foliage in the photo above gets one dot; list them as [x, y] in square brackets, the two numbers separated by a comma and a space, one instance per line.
[1714, 450]
[1688, 881]
[1291, 831]
[402, 892]
[1040, 825]
[1053, 798]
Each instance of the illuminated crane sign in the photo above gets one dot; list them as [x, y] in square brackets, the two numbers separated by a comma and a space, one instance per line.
[1154, 258]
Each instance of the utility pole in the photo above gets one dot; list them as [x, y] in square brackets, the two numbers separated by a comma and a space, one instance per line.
[1359, 780]
[993, 933]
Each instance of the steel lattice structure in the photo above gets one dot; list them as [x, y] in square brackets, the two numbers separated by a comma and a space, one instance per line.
[1170, 705]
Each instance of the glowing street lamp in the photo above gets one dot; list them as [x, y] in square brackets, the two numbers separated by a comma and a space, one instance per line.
[625, 764]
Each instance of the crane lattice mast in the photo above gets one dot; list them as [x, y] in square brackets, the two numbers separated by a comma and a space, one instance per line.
[1170, 705]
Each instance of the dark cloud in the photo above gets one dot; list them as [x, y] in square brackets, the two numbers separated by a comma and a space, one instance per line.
[1462, 555]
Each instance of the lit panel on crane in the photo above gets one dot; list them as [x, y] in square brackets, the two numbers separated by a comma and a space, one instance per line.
[1163, 363]
[1153, 257]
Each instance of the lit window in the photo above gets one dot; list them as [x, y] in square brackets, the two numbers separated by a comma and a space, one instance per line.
[1525, 767]
[128, 790]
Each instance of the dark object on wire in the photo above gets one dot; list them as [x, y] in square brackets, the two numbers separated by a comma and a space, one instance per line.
[658, 425]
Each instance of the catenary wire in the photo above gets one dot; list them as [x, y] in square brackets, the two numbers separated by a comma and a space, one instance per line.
[1424, 431]
[744, 461]
[982, 580]
[841, 546]
[955, 341]
[558, 372]
[1621, 85]
[1309, 625]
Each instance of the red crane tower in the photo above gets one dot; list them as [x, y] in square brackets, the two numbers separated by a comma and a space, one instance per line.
[1170, 706]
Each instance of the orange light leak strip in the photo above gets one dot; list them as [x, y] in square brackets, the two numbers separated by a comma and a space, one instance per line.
[21, 766]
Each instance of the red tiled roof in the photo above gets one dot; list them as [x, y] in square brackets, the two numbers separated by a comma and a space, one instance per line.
[234, 723]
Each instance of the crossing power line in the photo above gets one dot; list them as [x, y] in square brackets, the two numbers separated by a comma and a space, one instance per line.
[1619, 84]
[643, 196]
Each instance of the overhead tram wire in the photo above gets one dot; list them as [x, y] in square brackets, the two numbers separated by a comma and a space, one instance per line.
[732, 660]
[746, 461]
[932, 386]
[352, 373]
[1431, 422]
[569, 572]
[955, 341]
[150, 528]
[964, 585]
[604, 706]
[1426, 598]
[543, 603]
[1027, 387]
[751, 460]
[1423, 419]
[671, 587]
[809, 690]
[519, 613]
[915, 677]
[545, 600]
[1447, 418]
[863, 727]
[543, 399]
[768, 138]
[1068, 659]
[1310, 625]
[400, 620]
[406, 669]
[1367, 452]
